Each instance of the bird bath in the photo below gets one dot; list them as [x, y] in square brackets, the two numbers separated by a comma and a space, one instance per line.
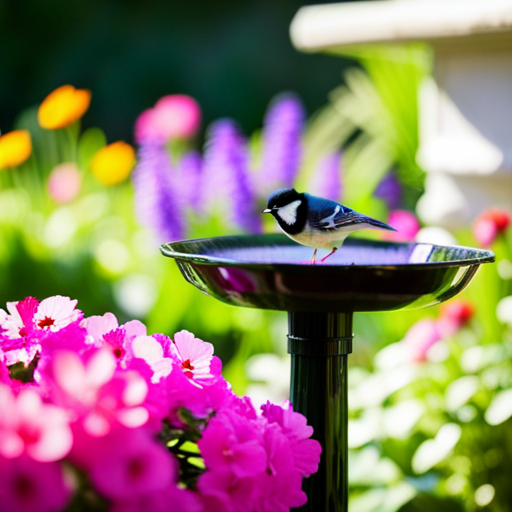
[269, 272]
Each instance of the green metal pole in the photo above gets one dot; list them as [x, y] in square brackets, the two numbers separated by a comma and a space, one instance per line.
[319, 344]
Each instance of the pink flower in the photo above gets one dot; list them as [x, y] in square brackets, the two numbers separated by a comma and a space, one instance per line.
[18, 339]
[200, 401]
[170, 498]
[130, 465]
[97, 326]
[64, 183]
[306, 452]
[179, 115]
[30, 486]
[57, 312]
[105, 331]
[490, 224]
[280, 486]
[195, 358]
[98, 394]
[174, 117]
[149, 349]
[233, 443]
[420, 337]
[27, 424]
[222, 491]
[454, 315]
[406, 225]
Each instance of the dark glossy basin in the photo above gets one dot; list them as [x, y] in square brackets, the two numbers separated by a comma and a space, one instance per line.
[273, 272]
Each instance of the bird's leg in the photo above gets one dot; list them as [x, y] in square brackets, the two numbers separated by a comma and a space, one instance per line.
[330, 254]
[313, 261]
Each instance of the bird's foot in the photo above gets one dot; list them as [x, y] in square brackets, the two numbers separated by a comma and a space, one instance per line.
[313, 261]
[330, 254]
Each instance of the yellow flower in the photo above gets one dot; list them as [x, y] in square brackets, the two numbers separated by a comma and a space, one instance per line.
[63, 107]
[113, 163]
[15, 148]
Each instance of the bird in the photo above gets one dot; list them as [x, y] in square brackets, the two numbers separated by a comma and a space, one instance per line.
[317, 222]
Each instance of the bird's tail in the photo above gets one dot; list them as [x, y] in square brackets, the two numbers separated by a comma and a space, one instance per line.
[377, 224]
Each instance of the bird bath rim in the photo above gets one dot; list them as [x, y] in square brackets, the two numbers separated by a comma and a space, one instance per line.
[233, 270]
[177, 250]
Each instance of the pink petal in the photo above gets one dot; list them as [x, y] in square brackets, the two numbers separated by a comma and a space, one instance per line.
[97, 326]
[69, 373]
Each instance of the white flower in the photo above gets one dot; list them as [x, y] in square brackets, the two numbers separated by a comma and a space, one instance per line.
[57, 312]
[504, 310]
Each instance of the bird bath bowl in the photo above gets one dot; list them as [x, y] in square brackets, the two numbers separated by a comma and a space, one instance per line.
[270, 272]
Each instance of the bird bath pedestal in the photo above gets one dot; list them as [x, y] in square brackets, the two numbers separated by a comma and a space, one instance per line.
[268, 272]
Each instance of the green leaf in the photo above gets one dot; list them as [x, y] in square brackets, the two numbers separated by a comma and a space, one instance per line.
[91, 141]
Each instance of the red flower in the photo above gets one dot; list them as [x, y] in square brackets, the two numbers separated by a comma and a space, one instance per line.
[454, 315]
[489, 224]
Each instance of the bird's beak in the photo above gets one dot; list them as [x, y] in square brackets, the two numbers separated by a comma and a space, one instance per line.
[267, 210]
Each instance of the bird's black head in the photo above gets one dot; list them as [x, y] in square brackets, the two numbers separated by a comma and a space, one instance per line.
[289, 208]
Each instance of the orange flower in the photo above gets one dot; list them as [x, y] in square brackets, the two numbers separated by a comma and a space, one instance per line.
[15, 148]
[63, 107]
[113, 163]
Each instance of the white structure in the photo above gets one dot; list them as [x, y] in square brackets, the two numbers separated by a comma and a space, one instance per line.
[465, 114]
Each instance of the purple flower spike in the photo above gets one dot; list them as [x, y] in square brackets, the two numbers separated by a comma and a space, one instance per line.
[226, 181]
[390, 190]
[156, 195]
[189, 172]
[282, 151]
[327, 181]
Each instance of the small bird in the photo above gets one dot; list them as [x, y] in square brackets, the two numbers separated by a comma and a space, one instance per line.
[317, 222]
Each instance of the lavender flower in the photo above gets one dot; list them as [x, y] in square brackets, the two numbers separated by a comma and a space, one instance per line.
[226, 183]
[390, 190]
[326, 181]
[189, 179]
[156, 199]
[283, 125]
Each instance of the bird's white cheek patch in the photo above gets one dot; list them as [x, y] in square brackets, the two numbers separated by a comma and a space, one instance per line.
[288, 213]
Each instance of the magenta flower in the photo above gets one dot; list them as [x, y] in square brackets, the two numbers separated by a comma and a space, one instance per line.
[306, 451]
[29, 425]
[406, 225]
[222, 491]
[131, 464]
[109, 402]
[420, 337]
[18, 339]
[98, 394]
[20, 322]
[200, 401]
[180, 500]
[233, 443]
[282, 150]
[280, 486]
[104, 331]
[175, 116]
[327, 180]
[30, 486]
[179, 116]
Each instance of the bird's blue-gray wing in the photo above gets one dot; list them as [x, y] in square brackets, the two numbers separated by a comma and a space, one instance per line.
[327, 215]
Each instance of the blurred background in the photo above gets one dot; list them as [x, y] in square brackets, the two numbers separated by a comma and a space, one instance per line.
[231, 56]
[127, 125]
